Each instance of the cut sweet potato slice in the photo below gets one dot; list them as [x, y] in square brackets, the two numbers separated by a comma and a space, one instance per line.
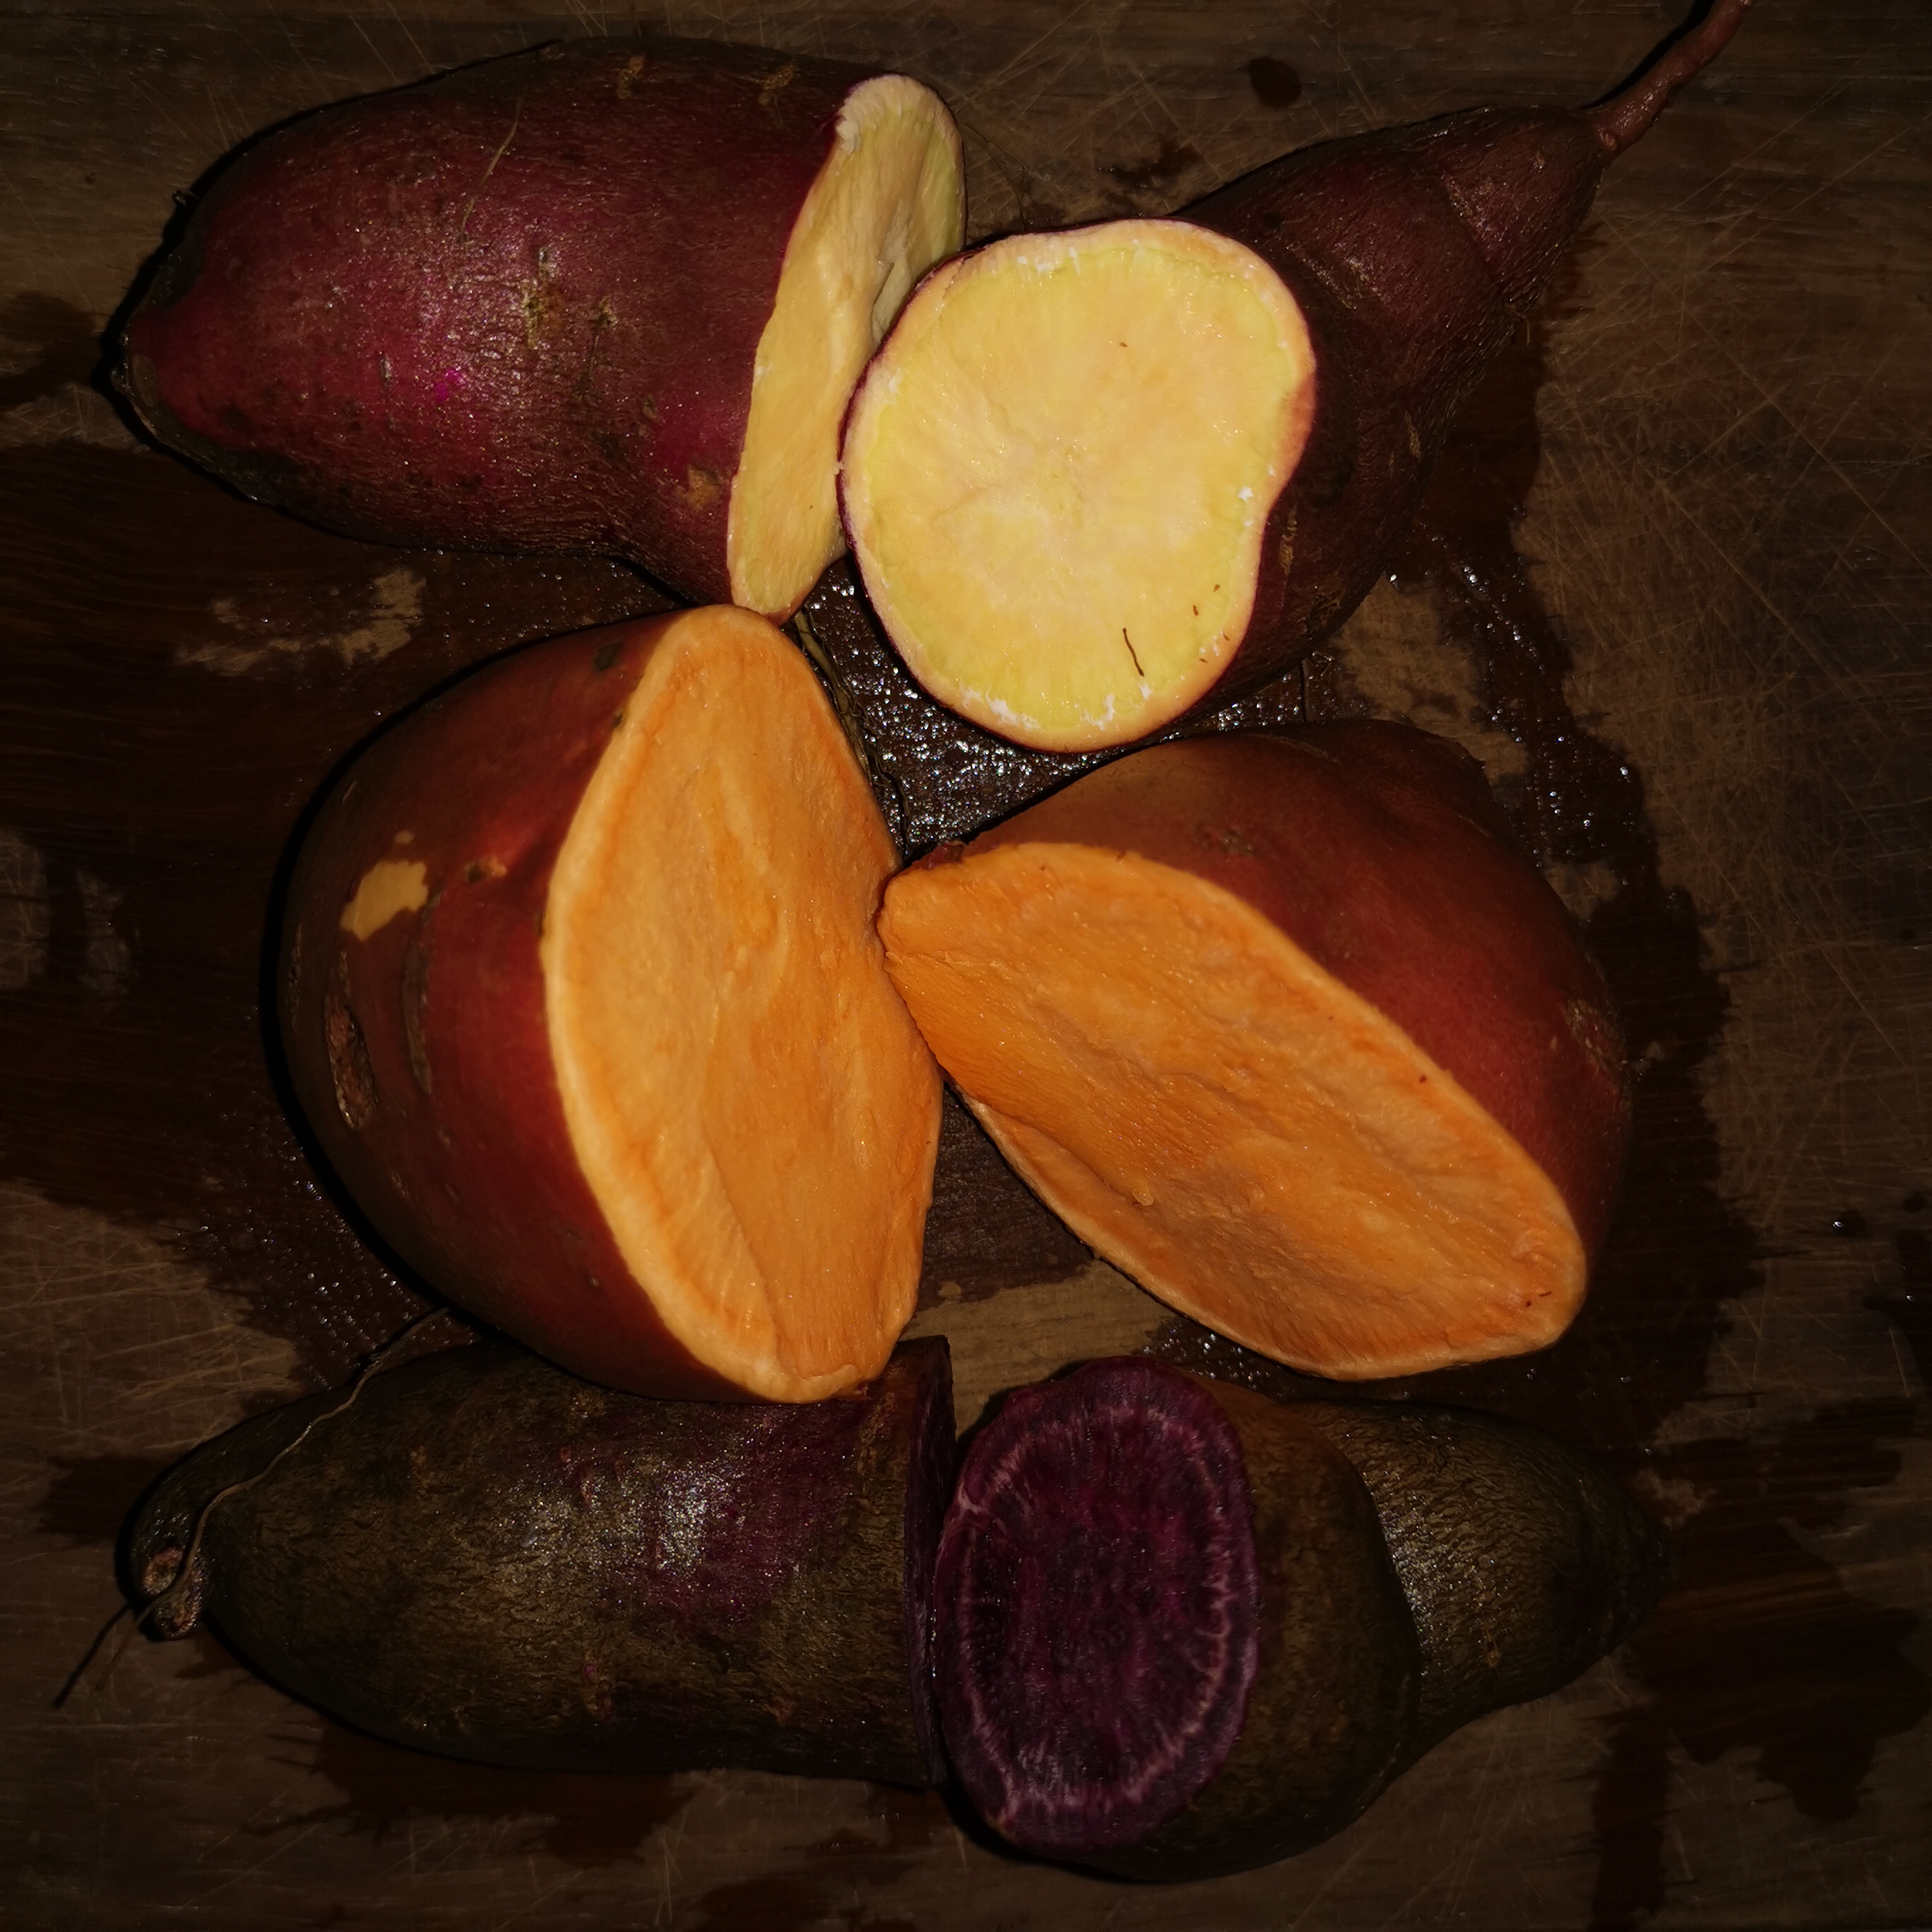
[886, 206]
[1058, 470]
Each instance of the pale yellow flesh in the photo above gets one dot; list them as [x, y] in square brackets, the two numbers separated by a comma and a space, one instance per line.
[1224, 1121]
[1057, 474]
[749, 1101]
[889, 204]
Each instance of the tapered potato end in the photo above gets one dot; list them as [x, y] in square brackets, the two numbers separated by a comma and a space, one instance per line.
[1057, 473]
[746, 1094]
[1225, 1120]
[888, 204]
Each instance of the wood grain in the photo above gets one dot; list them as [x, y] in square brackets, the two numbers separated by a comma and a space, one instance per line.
[1671, 585]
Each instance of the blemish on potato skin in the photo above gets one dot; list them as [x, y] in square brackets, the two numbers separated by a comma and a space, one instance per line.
[351, 1072]
[702, 487]
[415, 1014]
[388, 889]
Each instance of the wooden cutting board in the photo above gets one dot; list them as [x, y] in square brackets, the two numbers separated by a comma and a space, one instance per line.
[1671, 586]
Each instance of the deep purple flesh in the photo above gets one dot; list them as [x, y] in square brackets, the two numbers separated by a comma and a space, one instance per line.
[1096, 1606]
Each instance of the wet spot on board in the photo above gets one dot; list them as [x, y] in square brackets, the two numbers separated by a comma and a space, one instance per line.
[90, 1497]
[26, 912]
[384, 623]
[1275, 84]
[1159, 175]
[588, 1820]
[900, 1826]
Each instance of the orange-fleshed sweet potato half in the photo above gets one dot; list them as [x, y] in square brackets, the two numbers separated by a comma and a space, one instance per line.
[1286, 1029]
[582, 995]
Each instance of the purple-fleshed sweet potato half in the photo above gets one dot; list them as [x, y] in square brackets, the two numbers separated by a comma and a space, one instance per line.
[1180, 1631]
[1168, 1639]
[1100, 480]
[482, 1555]
[607, 295]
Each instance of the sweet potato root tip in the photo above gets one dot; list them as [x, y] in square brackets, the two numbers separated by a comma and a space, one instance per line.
[1628, 114]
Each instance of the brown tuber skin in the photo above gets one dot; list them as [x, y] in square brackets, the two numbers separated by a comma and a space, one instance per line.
[1285, 1028]
[481, 1556]
[520, 306]
[1522, 1562]
[1384, 272]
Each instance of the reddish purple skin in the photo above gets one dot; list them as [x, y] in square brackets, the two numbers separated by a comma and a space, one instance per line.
[421, 1054]
[1379, 850]
[1415, 253]
[513, 308]
[1084, 1562]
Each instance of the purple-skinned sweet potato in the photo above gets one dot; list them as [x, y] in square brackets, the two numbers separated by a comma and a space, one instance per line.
[481, 1556]
[1180, 1630]
[1097, 480]
[605, 295]
[1168, 1640]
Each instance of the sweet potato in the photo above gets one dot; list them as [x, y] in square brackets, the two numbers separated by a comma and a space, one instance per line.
[482, 1555]
[1169, 1639]
[1097, 480]
[581, 994]
[606, 295]
[1285, 1027]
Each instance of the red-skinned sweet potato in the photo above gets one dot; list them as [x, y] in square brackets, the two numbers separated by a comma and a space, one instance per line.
[1285, 1027]
[1099, 480]
[607, 295]
[581, 993]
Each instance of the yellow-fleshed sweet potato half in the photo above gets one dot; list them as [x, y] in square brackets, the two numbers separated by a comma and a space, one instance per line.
[581, 992]
[1099, 480]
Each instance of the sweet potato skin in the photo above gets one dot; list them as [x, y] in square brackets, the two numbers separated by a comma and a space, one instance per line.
[1377, 849]
[476, 312]
[1523, 1562]
[1415, 252]
[482, 1556]
[419, 1051]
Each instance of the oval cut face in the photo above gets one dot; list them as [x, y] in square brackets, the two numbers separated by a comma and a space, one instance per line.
[1058, 472]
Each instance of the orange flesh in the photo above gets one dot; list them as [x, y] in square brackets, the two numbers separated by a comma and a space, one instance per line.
[1058, 472]
[889, 204]
[748, 1097]
[1223, 1120]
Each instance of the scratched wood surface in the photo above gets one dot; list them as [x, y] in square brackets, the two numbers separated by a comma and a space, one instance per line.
[1672, 587]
